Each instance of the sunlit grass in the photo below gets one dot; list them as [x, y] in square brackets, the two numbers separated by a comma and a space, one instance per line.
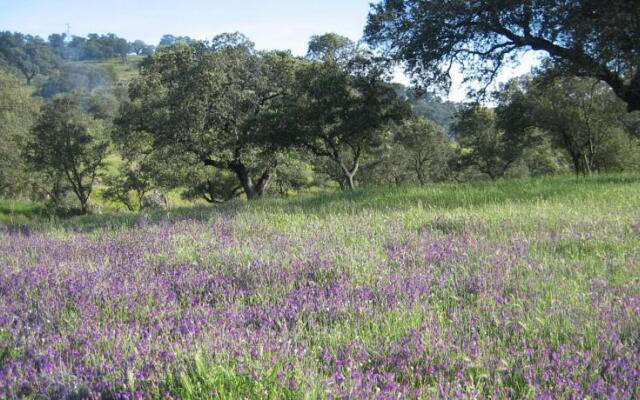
[516, 289]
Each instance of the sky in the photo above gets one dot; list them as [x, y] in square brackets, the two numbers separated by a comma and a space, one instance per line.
[271, 24]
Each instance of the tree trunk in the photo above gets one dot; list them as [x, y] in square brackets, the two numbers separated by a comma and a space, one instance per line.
[349, 173]
[350, 182]
[28, 76]
[420, 174]
[245, 180]
[575, 160]
[84, 205]
[252, 189]
[588, 165]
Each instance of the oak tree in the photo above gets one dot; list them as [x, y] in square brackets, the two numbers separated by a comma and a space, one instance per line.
[67, 141]
[199, 98]
[587, 38]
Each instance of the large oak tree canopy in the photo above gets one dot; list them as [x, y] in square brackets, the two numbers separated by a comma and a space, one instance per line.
[338, 107]
[198, 98]
[581, 37]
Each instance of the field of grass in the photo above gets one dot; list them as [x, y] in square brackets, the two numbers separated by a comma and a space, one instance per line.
[124, 71]
[19, 212]
[516, 289]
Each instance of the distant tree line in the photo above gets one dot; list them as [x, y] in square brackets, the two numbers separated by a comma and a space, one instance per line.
[33, 56]
[220, 119]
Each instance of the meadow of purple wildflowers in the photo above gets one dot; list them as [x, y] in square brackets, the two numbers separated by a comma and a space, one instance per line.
[534, 300]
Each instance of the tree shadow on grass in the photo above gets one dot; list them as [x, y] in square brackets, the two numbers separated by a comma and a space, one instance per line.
[446, 196]
[449, 196]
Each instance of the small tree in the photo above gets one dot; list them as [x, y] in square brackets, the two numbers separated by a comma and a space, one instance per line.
[66, 140]
[580, 116]
[129, 186]
[140, 48]
[482, 143]
[294, 173]
[426, 150]
[170, 40]
[330, 48]
[485, 145]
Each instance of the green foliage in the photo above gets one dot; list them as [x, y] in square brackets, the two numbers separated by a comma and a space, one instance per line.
[619, 152]
[28, 54]
[65, 141]
[199, 99]
[581, 116]
[337, 111]
[428, 106]
[583, 38]
[416, 151]
[97, 47]
[128, 186]
[140, 48]
[631, 122]
[170, 40]
[102, 105]
[205, 380]
[496, 143]
[293, 174]
[331, 48]
[212, 184]
[142, 171]
[428, 150]
[539, 158]
[215, 120]
[18, 111]
[484, 146]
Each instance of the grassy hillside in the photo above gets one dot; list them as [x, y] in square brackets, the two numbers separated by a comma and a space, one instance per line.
[124, 71]
[515, 289]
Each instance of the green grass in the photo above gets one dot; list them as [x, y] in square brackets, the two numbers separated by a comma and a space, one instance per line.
[578, 232]
[125, 71]
[205, 380]
[19, 212]
[446, 206]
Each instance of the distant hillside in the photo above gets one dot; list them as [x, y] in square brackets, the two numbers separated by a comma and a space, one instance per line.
[429, 106]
